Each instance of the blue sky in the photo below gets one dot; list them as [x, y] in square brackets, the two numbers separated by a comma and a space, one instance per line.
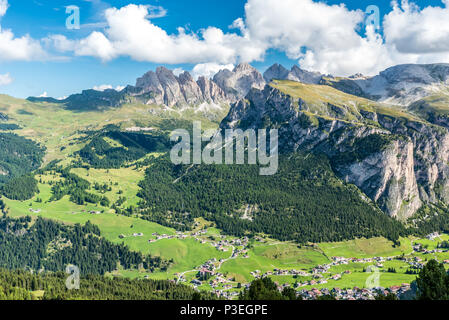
[318, 36]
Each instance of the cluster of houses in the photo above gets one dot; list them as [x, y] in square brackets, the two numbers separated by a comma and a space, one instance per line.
[229, 295]
[433, 236]
[179, 235]
[222, 286]
[354, 293]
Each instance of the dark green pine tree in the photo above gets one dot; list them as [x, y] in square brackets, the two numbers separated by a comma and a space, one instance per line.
[433, 282]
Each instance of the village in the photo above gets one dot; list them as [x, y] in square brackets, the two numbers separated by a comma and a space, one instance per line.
[208, 274]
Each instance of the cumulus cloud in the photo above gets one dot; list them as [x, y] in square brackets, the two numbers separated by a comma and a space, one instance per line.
[13, 48]
[43, 95]
[321, 37]
[178, 71]
[331, 38]
[416, 31]
[328, 40]
[23, 48]
[208, 70]
[5, 79]
[104, 87]
[130, 32]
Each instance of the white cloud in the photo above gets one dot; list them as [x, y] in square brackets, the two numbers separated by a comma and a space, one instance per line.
[3, 7]
[321, 37]
[208, 70]
[5, 79]
[96, 45]
[43, 95]
[12, 48]
[412, 30]
[322, 27]
[23, 48]
[104, 87]
[327, 38]
[131, 33]
[178, 71]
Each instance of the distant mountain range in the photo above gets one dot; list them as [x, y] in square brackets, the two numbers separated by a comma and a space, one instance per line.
[162, 87]
[399, 85]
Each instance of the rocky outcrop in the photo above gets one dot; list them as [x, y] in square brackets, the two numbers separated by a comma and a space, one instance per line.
[398, 163]
[388, 178]
[163, 87]
[237, 83]
[211, 91]
[190, 89]
[278, 72]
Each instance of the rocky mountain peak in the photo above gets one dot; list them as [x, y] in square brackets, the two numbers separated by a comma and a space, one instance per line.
[276, 71]
[185, 77]
[211, 91]
[417, 73]
[237, 83]
[244, 67]
[279, 72]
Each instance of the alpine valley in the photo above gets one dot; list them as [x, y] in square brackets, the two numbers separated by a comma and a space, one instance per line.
[363, 181]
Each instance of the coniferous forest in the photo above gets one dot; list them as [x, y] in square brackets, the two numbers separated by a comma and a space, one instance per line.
[303, 202]
[47, 245]
[23, 285]
[18, 156]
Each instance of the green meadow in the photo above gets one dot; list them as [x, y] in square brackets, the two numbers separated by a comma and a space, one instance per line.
[359, 279]
[266, 257]
[365, 248]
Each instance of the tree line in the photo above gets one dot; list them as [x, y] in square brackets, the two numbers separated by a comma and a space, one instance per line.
[22, 285]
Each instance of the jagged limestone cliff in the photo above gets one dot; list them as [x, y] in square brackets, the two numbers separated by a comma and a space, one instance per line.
[397, 159]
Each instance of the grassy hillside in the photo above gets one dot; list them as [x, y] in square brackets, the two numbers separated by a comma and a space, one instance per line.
[434, 108]
[61, 130]
[326, 101]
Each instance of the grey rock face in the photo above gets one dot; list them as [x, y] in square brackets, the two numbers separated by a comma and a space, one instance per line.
[164, 88]
[211, 91]
[172, 89]
[297, 74]
[237, 83]
[190, 89]
[149, 83]
[409, 168]
[278, 72]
